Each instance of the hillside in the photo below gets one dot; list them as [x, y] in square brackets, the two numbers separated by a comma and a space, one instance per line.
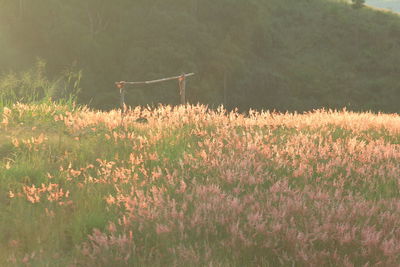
[277, 54]
[197, 187]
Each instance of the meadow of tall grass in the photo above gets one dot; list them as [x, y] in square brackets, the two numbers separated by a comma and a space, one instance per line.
[197, 187]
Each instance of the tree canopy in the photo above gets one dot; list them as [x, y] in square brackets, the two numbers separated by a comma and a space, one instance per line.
[278, 54]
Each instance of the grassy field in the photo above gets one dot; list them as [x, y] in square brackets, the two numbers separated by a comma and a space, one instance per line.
[190, 186]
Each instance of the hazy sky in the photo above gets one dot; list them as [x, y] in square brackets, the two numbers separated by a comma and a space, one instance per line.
[393, 5]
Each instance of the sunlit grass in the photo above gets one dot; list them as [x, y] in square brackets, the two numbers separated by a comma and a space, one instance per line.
[194, 186]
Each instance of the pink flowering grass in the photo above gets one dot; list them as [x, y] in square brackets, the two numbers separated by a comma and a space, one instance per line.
[197, 187]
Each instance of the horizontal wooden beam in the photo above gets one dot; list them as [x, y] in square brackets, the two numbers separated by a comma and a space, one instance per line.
[155, 81]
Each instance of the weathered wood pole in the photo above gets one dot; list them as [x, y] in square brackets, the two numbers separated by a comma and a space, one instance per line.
[225, 90]
[121, 86]
[122, 93]
[182, 89]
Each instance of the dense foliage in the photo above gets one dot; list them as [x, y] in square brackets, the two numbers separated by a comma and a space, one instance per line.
[277, 54]
[358, 3]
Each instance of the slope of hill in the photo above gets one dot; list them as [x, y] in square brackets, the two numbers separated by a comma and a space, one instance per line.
[196, 187]
[278, 54]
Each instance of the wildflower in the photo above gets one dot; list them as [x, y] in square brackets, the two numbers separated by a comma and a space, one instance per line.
[15, 142]
[110, 200]
[161, 229]
[8, 165]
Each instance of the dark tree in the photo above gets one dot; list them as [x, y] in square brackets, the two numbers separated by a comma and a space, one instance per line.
[358, 3]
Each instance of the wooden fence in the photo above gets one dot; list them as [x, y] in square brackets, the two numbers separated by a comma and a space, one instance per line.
[181, 82]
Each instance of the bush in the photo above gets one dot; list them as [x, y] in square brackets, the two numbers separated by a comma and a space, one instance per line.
[358, 3]
[33, 85]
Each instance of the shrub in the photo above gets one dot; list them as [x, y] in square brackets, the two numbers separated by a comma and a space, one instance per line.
[33, 85]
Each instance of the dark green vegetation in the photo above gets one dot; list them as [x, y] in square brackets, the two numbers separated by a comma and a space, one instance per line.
[358, 3]
[277, 54]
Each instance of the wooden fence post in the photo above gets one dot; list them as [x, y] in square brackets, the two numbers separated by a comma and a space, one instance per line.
[122, 93]
[121, 86]
[182, 89]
